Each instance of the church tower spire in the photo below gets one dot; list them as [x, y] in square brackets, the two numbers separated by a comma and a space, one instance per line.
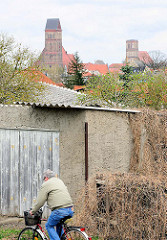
[52, 53]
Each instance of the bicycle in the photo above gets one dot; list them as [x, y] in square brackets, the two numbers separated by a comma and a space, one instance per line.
[34, 230]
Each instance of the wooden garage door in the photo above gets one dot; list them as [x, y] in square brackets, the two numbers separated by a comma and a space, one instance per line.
[24, 155]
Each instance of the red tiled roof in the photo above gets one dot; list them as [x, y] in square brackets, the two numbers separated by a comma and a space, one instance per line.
[37, 76]
[144, 57]
[101, 68]
[78, 87]
[87, 74]
[115, 67]
[115, 70]
[43, 78]
[66, 57]
[71, 56]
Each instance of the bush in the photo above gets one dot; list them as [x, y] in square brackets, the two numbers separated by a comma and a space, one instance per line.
[132, 205]
[123, 206]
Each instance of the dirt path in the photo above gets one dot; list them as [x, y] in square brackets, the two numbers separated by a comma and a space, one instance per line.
[16, 223]
[11, 222]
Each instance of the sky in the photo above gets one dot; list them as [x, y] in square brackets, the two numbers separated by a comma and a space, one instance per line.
[96, 29]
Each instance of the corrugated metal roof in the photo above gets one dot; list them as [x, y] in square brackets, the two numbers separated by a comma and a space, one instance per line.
[59, 97]
[54, 95]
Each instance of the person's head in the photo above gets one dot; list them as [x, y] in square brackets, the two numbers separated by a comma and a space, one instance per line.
[48, 174]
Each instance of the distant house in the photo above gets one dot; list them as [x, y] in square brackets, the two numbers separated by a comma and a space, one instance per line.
[96, 69]
[116, 67]
[92, 69]
[41, 77]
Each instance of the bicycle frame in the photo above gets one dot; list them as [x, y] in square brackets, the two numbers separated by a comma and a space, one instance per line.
[65, 229]
[41, 231]
[43, 234]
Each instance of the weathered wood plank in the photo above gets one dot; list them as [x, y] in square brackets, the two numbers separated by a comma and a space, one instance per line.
[24, 155]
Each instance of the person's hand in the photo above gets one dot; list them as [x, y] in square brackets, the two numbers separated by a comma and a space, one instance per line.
[30, 212]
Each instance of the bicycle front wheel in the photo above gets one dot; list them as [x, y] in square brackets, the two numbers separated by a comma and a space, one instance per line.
[74, 234]
[30, 233]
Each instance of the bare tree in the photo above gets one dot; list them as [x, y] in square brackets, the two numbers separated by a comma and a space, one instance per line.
[154, 60]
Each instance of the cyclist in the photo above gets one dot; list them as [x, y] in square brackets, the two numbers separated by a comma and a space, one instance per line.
[54, 191]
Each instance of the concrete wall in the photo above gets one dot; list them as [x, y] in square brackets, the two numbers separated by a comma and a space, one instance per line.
[110, 138]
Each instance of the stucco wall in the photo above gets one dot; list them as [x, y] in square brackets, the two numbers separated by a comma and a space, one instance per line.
[70, 125]
[110, 138]
[110, 141]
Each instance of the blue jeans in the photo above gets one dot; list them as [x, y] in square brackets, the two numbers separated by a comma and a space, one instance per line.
[54, 220]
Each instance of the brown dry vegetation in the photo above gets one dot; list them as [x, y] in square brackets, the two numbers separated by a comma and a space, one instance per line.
[132, 205]
[150, 143]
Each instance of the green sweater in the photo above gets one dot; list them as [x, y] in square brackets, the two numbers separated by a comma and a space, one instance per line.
[55, 193]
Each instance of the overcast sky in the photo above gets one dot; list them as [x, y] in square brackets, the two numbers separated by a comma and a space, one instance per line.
[96, 29]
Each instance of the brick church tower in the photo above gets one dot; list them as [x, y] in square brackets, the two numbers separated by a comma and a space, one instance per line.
[52, 53]
[132, 51]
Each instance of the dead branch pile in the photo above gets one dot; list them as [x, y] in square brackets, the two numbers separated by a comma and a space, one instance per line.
[127, 206]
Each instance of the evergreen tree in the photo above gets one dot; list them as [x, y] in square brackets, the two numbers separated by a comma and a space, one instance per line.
[126, 76]
[75, 74]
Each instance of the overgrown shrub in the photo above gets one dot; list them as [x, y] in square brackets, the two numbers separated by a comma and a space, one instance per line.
[137, 90]
[123, 206]
[132, 205]
[149, 131]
